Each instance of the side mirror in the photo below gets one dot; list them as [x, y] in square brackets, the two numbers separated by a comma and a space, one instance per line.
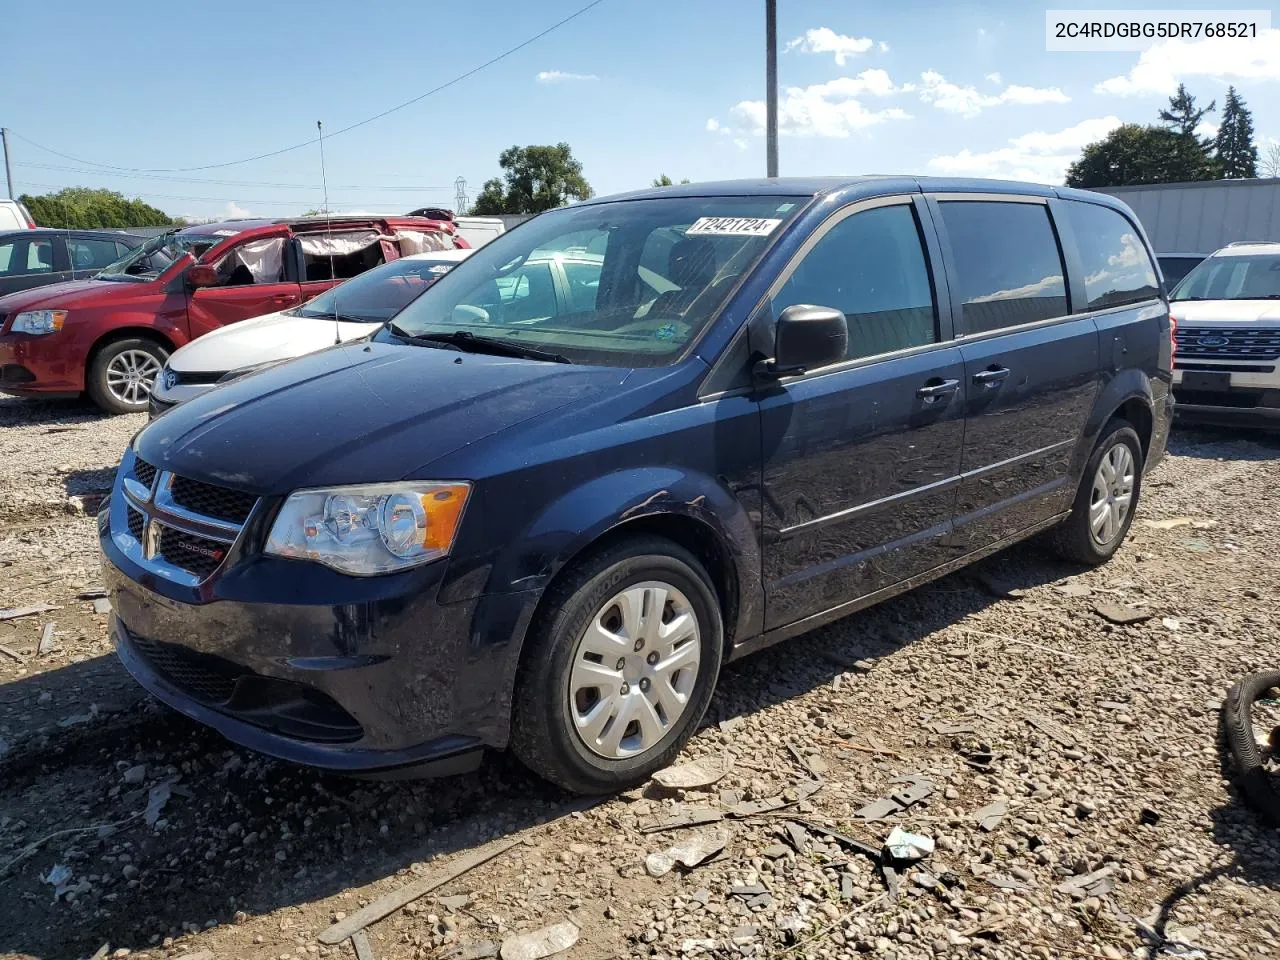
[202, 275]
[806, 337]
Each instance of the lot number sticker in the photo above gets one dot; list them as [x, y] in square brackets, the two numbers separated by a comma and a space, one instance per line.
[732, 227]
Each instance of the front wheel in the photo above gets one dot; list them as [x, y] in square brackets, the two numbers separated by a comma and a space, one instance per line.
[123, 372]
[619, 668]
[1107, 499]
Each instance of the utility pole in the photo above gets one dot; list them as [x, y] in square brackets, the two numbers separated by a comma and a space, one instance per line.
[8, 171]
[771, 81]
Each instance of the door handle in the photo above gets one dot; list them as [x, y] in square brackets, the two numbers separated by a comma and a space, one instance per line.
[992, 377]
[281, 298]
[933, 392]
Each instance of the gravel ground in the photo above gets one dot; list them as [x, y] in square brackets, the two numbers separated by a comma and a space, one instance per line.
[1076, 797]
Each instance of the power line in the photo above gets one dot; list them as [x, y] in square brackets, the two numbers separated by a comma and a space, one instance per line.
[225, 183]
[347, 129]
[236, 200]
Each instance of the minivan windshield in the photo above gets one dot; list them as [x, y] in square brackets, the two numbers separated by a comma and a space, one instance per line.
[379, 293]
[156, 255]
[1232, 278]
[628, 283]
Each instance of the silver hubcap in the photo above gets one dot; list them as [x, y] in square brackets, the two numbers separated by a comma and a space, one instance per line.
[634, 670]
[131, 375]
[1112, 494]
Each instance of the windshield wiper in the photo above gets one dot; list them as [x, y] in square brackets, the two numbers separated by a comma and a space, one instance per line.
[345, 317]
[468, 341]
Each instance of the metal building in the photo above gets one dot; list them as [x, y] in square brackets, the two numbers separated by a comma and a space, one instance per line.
[1205, 216]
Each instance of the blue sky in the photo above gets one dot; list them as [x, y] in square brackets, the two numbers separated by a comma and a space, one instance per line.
[636, 87]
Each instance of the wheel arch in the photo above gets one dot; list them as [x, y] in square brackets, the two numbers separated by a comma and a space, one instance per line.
[1128, 396]
[125, 333]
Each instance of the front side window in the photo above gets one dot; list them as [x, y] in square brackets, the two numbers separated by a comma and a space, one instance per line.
[1233, 278]
[1117, 267]
[159, 253]
[89, 254]
[20, 258]
[622, 300]
[254, 261]
[871, 267]
[1007, 259]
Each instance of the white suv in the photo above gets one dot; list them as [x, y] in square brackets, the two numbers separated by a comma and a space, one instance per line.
[14, 216]
[1227, 369]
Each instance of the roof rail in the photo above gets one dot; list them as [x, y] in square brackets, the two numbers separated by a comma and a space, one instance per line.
[1250, 243]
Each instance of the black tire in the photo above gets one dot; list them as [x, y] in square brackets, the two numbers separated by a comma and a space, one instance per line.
[96, 379]
[543, 736]
[1073, 539]
[1237, 725]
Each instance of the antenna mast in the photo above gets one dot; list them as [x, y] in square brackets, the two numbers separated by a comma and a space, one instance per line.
[328, 234]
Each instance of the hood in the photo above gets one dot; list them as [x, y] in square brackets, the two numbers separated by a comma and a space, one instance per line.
[261, 340]
[62, 296]
[1211, 313]
[360, 413]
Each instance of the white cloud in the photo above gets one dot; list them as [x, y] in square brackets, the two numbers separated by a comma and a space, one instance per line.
[237, 212]
[559, 76]
[994, 77]
[968, 102]
[828, 109]
[740, 143]
[1040, 157]
[884, 47]
[826, 40]
[715, 126]
[982, 31]
[1161, 67]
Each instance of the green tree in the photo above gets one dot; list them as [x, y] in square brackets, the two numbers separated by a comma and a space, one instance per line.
[1192, 154]
[1237, 155]
[1134, 153]
[535, 178]
[665, 181]
[83, 207]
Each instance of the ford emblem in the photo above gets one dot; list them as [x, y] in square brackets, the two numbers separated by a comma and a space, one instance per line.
[1213, 340]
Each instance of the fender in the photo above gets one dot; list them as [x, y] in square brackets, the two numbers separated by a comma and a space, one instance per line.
[602, 506]
[1117, 390]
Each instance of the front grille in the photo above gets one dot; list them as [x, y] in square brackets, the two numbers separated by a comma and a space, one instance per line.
[143, 472]
[1241, 344]
[212, 501]
[201, 675]
[136, 522]
[195, 554]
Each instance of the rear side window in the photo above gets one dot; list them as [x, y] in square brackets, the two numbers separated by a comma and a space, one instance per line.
[871, 267]
[1009, 266]
[1117, 267]
[89, 254]
[22, 257]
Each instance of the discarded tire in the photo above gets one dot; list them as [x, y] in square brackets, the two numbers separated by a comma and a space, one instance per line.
[1254, 780]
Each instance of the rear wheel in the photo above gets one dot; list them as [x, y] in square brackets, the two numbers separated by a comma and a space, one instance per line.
[1107, 499]
[619, 669]
[123, 372]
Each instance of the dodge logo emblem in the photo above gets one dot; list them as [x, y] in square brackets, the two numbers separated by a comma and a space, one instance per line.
[1213, 340]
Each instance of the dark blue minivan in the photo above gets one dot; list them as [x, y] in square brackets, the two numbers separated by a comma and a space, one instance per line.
[629, 441]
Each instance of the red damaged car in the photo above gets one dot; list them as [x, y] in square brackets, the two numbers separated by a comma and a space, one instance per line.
[108, 336]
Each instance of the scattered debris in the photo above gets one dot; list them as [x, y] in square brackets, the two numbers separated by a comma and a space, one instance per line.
[1052, 730]
[1005, 883]
[541, 943]
[730, 724]
[135, 774]
[156, 800]
[754, 808]
[843, 839]
[102, 951]
[1172, 624]
[1121, 614]
[102, 606]
[908, 847]
[1170, 523]
[918, 790]
[989, 817]
[1092, 884]
[688, 853]
[1148, 817]
[952, 729]
[455, 903]
[877, 810]
[10, 652]
[391, 902]
[481, 950]
[1074, 589]
[91, 593]
[890, 879]
[685, 818]
[695, 774]
[360, 943]
[46, 639]
[14, 613]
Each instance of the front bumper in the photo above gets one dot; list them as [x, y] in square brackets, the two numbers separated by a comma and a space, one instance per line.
[358, 675]
[1237, 399]
[40, 366]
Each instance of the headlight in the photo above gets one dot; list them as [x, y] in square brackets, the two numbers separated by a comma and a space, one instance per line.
[37, 322]
[371, 529]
